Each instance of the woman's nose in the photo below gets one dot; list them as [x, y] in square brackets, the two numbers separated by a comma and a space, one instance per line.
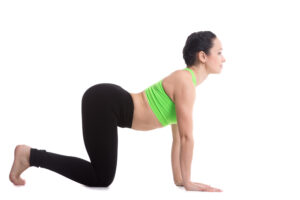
[224, 59]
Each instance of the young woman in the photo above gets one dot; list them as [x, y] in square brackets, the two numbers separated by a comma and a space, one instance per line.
[106, 106]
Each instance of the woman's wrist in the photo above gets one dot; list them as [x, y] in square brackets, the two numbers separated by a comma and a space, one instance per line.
[188, 185]
[179, 183]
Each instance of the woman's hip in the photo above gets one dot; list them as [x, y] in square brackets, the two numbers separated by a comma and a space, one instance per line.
[109, 100]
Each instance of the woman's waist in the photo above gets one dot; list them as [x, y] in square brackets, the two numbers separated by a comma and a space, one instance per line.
[143, 116]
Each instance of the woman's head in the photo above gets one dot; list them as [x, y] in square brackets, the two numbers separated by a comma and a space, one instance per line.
[203, 47]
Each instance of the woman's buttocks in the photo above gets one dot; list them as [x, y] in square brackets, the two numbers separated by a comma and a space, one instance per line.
[108, 101]
[143, 116]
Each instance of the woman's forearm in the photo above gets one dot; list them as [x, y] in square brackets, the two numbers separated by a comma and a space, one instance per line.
[175, 158]
[186, 156]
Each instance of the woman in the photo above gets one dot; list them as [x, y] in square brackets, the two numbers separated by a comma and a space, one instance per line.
[107, 106]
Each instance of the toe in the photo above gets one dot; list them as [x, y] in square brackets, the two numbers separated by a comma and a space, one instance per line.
[16, 180]
[19, 181]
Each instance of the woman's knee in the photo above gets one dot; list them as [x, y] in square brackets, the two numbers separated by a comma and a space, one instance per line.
[101, 183]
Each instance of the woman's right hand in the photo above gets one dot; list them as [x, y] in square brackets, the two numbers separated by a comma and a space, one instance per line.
[192, 186]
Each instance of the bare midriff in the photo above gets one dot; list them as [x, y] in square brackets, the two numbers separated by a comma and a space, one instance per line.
[143, 117]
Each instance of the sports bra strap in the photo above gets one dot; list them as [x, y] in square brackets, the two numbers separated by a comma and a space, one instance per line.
[193, 75]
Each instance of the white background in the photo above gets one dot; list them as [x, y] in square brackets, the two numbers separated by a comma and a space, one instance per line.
[246, 119]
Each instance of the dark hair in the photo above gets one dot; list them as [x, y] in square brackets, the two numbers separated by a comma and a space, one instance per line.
[196, 42]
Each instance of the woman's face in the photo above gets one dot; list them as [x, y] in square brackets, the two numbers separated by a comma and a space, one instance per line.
[215, 59]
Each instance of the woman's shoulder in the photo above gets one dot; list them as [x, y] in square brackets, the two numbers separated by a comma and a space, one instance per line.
[181, 77]
[177, 82]
[184, 89]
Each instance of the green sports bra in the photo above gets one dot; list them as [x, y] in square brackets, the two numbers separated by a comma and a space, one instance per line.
[161, 104]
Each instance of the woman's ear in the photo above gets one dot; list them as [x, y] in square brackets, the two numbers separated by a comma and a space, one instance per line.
[201, 55]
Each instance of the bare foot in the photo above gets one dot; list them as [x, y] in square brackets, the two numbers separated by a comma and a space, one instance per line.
[21, 163]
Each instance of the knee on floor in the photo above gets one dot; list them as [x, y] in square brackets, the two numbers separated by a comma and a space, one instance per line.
[102, 183]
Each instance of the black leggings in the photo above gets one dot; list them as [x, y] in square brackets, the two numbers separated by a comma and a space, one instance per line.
[105, 106]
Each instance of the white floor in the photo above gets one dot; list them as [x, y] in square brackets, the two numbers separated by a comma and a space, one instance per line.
[246, 119]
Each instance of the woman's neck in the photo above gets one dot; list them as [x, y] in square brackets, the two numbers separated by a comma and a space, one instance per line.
[200, 73]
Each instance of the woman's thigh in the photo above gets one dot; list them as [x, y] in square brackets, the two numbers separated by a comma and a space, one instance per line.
[105, 107]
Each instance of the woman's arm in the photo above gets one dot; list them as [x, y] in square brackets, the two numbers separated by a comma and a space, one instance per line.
[184, 98]
[175, 155]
